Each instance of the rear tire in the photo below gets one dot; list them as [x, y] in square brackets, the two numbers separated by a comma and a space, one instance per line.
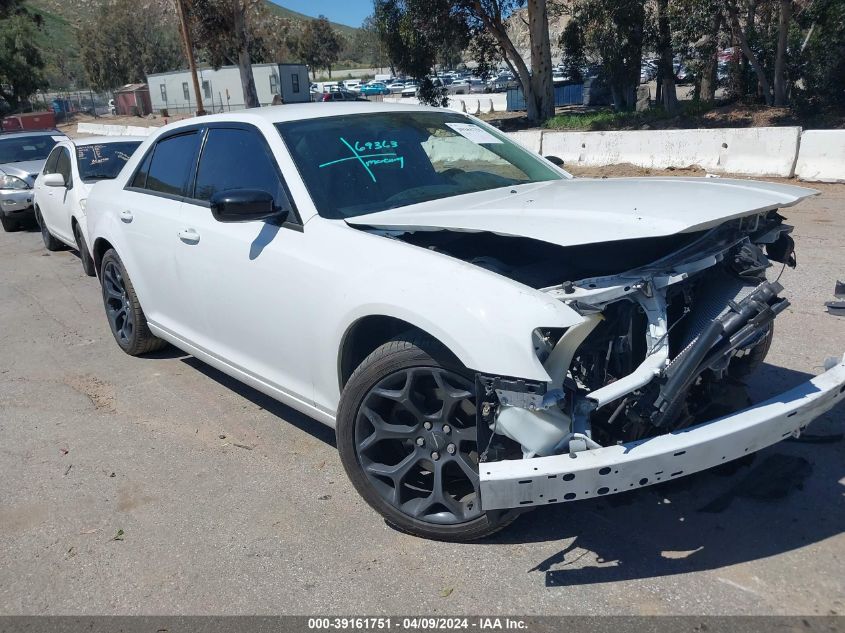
[88, 266]
[10, 225]
[123, 310]
[406, 437]
[50, 242]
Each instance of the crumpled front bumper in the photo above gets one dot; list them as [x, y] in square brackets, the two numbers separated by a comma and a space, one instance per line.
[603, 471]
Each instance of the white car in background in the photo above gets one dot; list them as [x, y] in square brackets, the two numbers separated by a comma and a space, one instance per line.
[486, 333]
[62, 188]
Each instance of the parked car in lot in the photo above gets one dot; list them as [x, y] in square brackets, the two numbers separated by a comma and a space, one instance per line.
[410, 90]
[22, 154]
[472, 85]
[374, 88]
[486, 333]
[342, 95]
[396, 87]
[61, 189]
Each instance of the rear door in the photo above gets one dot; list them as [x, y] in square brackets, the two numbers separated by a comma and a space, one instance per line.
[150, 217]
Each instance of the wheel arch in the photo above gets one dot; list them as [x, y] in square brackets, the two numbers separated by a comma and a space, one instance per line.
[367, 334]
[101, 246]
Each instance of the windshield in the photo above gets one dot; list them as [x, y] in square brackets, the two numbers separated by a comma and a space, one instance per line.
[363, 163]
[103, 161]
[24, 148]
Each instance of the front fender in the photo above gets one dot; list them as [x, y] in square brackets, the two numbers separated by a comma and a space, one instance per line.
[483, 318]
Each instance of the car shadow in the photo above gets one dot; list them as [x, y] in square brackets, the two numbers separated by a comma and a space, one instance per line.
[301, 421]
[784, 498]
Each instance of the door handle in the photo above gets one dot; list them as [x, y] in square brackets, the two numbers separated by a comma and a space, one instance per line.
[189, 236]
[126, 216]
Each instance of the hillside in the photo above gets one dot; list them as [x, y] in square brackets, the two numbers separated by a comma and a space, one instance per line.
[60, 47]
[347, 31]
[77, 11]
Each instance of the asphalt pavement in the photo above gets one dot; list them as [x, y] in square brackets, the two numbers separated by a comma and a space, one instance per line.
[161, 486]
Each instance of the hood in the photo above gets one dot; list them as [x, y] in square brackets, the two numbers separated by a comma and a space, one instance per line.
[26, 171]
[586, 210]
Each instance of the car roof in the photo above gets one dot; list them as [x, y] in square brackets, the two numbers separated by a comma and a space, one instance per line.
[103, 140]
[23, 133]
[303, 112]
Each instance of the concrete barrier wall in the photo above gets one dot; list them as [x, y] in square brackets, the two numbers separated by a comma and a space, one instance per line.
[752, 151]
[821, 157]
[99, 129]
[815, 155]
[529, 139]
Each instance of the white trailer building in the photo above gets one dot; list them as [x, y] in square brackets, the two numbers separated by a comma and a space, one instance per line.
[221, 89]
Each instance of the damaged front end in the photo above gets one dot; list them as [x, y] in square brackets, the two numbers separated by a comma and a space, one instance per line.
[648, 386]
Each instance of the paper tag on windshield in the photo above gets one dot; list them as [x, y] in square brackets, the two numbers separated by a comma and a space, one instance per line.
[474, 133]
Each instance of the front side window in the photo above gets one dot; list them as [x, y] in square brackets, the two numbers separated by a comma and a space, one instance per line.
[24, 148]
[103, 161]
[63, 167]
[52, 159]
[171, 164]
[364, 163]
[236, 159]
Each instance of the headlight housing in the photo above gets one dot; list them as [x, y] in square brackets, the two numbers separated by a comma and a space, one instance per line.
[12, 182]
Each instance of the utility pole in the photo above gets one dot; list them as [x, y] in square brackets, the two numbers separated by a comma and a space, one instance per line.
[189, 51]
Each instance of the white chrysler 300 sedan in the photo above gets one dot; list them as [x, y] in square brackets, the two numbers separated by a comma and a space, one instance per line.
[486, 333]
[61, 189]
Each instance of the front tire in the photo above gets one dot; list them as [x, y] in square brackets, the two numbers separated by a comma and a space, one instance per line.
[10, 225]
[123, 310]
[50, 242]
[406, 437]
[88, 266]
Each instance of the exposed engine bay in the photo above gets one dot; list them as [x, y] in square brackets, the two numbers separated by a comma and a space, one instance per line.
[672, 325]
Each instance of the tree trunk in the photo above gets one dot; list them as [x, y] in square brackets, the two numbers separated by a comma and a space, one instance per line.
[244, 62]
[541, 59]
[709, 75]
[780, 58]
[664, 47]
[189, 53]
[499, 32]
[749, 54]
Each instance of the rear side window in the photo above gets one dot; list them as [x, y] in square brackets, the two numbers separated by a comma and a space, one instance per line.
[171, 164]
[236, 159]
[140, 178]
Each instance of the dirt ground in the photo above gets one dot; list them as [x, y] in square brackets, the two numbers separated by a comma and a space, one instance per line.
[158, 485]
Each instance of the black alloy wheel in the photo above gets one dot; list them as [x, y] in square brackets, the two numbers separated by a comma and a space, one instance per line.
[415, 438]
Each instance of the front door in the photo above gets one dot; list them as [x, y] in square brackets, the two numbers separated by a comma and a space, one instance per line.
[249, 279]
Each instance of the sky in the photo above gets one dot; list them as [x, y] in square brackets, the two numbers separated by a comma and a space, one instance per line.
[351, 12]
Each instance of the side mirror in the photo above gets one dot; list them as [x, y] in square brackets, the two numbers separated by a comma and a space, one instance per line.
[246, 205]
[554, 160]
[54, 180]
